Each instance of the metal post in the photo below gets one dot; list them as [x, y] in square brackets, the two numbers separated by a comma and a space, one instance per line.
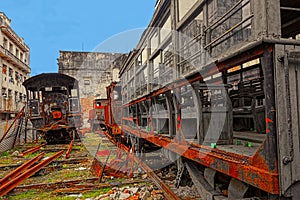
[270, 144]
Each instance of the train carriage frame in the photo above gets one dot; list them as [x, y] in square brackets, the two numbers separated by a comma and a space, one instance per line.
[251, 78]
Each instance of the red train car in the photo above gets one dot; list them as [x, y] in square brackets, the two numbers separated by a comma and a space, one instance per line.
[97, 115]
[114, 109]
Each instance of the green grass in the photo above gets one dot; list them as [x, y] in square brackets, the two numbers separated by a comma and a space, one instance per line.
[78, 147]
[24, 195]
[4, 154]
[38, 195]
[65, 166]
[96, 193]
[64, 175]
[32, 155]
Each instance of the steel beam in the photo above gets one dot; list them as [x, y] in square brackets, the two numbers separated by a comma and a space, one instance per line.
[6, 188]
[32, 150]
[20, 169]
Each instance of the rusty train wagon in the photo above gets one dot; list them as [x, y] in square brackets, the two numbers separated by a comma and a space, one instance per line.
[97, 114]
[53, 106]
[113, 116]
[219, 93]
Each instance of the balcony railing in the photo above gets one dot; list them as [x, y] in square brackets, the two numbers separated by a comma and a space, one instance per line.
[11, 57]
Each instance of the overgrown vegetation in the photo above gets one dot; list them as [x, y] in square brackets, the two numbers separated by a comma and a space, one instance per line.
[96, 193]
[37, 195]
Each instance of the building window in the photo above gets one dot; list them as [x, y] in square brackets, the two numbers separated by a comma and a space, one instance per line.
[10, 47]
[4, 69]
[17, 77]
[20, 96]
[17, 53]
[5, 43]
[16, 96]
[10, 74]
[9, 93]
[21, 56]
[87, 82]
[4, 92]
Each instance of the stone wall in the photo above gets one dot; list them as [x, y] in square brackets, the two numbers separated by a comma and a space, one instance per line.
[94, 71]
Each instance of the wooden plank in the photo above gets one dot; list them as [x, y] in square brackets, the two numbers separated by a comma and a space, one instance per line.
[250, 136]
[282, 116]
[294, 67]
[287, 108]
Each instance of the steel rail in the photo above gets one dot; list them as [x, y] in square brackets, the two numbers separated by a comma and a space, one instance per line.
[6, 188]
[168, 193]
[20, 169]
[32, 150]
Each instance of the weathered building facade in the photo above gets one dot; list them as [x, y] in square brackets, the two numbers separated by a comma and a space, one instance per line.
[14, 61]
[93, 70]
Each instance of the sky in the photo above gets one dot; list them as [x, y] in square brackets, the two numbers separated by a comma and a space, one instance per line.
[49, 26]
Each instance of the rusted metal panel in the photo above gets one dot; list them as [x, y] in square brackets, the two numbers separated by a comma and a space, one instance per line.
[244, 168]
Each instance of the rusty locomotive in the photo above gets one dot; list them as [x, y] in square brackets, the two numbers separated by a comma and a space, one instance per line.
[54, 107]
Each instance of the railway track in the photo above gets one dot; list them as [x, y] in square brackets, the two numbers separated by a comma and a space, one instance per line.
[39, 171]
[42, 171]
[35, 170]
[163, 177]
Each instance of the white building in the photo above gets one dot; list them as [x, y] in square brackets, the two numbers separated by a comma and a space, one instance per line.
[14, 64]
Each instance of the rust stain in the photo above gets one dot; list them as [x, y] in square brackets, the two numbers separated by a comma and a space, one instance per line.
[267, 124]
[86, 105]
